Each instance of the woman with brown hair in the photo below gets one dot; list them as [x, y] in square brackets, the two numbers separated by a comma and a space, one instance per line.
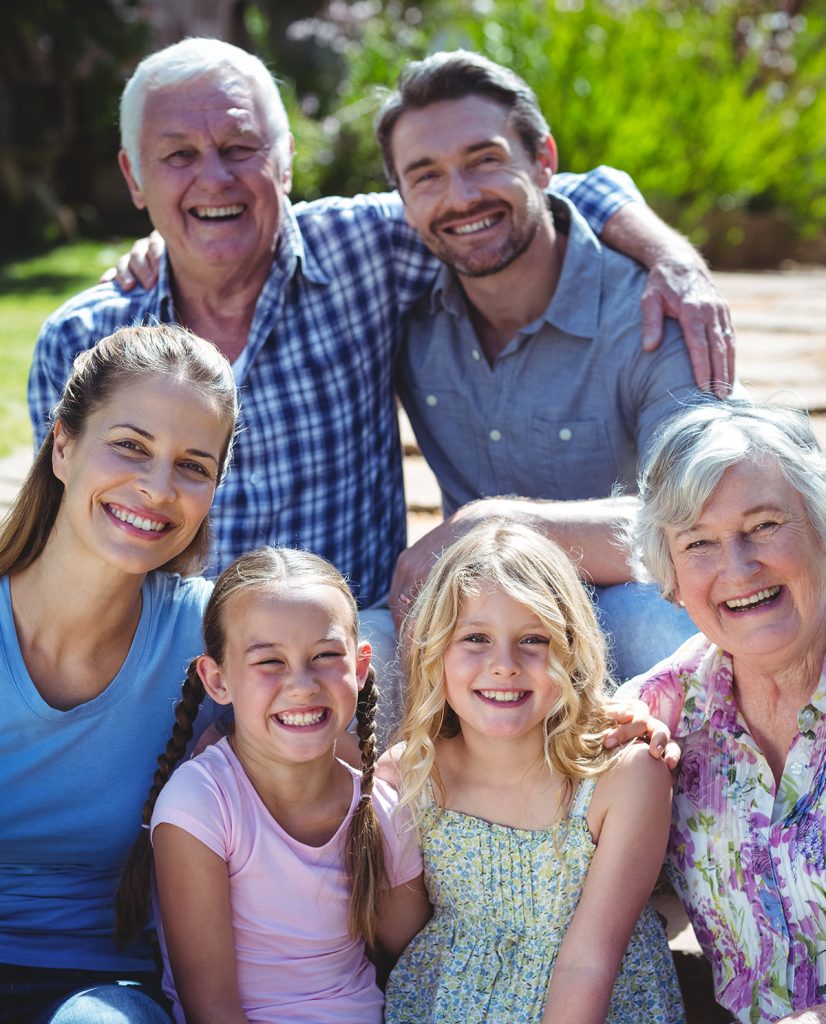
[98, 617]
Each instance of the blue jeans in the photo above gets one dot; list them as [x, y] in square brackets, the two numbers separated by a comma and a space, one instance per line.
[35, 995]
[641, 627]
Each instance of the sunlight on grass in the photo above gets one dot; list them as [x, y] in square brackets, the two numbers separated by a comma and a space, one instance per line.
[29, 292]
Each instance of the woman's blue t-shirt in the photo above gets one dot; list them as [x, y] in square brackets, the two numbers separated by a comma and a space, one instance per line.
[74, 782]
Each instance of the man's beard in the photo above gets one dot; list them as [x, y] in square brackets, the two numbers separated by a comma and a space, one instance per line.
[485, 263]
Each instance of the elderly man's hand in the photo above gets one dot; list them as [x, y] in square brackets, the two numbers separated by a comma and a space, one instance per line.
[685, 291]
[635, 721]
[141, 265]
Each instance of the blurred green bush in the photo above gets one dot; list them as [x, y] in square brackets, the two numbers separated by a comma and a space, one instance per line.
[716, 107]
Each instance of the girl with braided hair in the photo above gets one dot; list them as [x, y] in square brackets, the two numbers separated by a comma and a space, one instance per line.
[275, 861]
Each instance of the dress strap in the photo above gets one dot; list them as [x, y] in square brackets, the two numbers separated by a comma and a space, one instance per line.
[582, 797]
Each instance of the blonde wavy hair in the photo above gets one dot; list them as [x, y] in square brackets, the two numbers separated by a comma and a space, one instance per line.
[534, 571]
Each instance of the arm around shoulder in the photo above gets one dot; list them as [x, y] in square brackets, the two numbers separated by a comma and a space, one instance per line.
[679, 285]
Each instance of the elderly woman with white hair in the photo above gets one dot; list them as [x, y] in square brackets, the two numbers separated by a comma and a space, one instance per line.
[733, 527]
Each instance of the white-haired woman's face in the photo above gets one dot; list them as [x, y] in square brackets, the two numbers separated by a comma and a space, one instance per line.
[750, 570]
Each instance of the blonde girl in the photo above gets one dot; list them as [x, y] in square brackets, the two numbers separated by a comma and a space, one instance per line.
[276, 861]
[540, 849]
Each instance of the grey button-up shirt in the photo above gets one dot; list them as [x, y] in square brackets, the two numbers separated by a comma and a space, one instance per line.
[569, 405]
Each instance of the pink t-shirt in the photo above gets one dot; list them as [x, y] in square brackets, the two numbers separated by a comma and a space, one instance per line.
[296, 959]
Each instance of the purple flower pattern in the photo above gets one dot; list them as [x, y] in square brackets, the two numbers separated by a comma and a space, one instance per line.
[747, 857]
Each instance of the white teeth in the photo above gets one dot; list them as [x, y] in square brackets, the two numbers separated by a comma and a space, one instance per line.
[503, 696]
[147, 525]
[747, 602]
[300, 717]
[477, 225]
[207, 212]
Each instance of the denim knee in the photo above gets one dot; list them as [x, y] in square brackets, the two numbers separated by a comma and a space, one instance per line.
[107, 1004]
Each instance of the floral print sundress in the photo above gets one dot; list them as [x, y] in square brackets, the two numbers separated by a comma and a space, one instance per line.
[503, 899]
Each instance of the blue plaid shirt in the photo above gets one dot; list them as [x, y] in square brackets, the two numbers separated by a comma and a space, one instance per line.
[318, 460]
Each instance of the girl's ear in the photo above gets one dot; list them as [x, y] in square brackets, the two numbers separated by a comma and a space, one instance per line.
[364, 653]
[213, 679]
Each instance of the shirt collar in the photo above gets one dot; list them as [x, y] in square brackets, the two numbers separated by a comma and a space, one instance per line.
[709, 695]
[709, 692]
[291, 252]
[574, 307]
[166, 304]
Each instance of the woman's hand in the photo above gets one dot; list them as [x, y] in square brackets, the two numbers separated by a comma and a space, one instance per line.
[814, 1015]
[635, 721]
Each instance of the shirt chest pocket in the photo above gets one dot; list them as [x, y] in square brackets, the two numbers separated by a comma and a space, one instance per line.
[576, 458]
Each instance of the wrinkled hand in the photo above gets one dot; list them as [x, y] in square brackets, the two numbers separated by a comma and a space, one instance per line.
[634, 721]
[814, 1015]
[686, 292]
[414, 564]
[141, 265]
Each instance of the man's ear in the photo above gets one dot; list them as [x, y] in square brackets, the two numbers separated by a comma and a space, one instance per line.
[213, 679]
[547, 159]
[287, 172]
[134, 188]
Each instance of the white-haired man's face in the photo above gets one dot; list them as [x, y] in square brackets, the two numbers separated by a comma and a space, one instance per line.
[211, 179]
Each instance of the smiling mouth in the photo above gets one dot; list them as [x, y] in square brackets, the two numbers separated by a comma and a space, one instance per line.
[477, 225]
[302, 719]
[139, 522]
[211, 213]
[503, 696]
[741, 604]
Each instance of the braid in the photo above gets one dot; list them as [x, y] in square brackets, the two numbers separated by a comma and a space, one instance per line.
[365, 848]
[366, 707]
[132, 898]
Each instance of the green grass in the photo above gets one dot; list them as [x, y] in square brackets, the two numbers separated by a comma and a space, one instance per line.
[29, 291]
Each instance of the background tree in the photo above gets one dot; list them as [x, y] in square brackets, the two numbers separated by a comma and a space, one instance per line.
[716, 107]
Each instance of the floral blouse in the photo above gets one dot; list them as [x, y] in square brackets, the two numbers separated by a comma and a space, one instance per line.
[746, 858]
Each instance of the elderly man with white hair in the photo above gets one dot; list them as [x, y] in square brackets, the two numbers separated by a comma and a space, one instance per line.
[307, 302]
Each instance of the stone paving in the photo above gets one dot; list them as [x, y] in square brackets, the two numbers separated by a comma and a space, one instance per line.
[780, 319]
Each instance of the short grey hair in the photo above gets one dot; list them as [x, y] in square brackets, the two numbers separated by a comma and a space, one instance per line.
[191, 59]
[690, 456]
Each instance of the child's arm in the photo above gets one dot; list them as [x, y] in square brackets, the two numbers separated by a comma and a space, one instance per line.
[403, 911]
[630, 810]
[193, 890]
